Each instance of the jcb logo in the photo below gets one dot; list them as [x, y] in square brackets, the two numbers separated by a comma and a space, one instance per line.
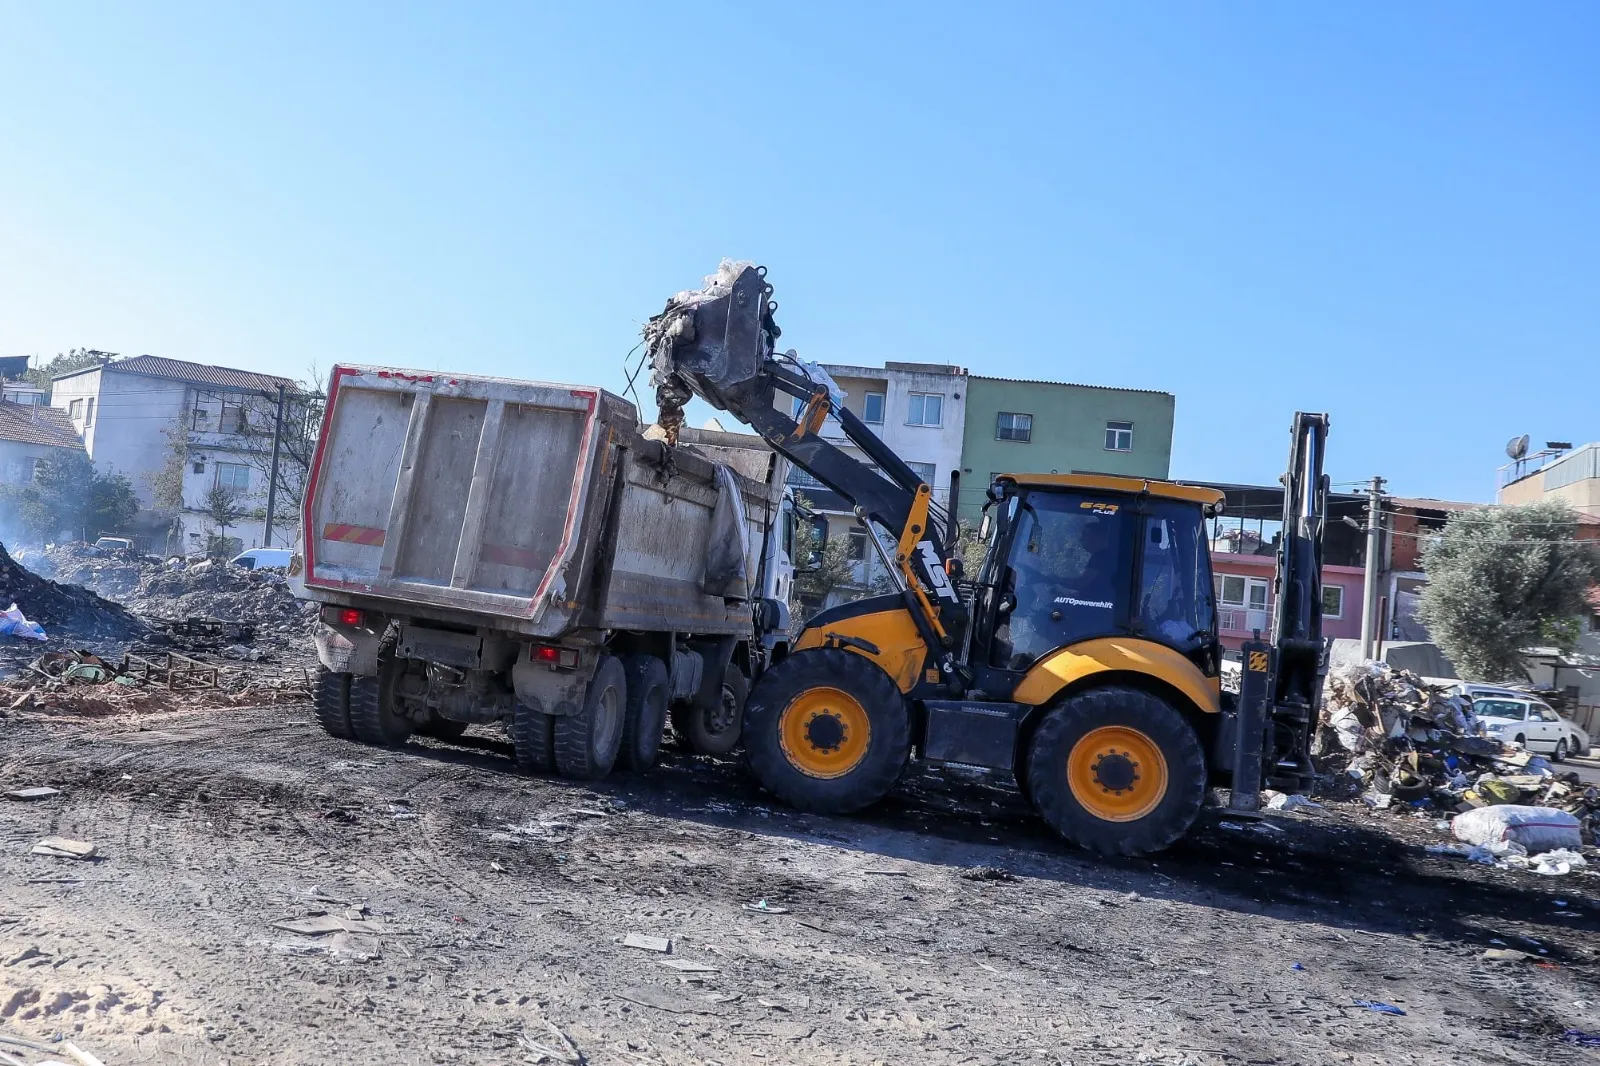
[935, 571]
[1258, 662]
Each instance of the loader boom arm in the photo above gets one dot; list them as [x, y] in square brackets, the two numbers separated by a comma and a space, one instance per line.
[720, 344]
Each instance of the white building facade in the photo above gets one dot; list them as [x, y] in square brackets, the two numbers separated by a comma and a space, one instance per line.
[919, 411]
[133, 413]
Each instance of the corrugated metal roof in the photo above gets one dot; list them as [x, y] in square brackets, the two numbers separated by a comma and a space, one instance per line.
[196, 373]
[1423, 503]
[36, 424]
[1069, 384]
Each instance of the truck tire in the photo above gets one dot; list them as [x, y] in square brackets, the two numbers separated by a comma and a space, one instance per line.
[330, 698]
[649, 690]
[373, 717]
[826, 730]
[441, 728]
[1117, 771]
[714, 729]
[533, 740]
[587, 743]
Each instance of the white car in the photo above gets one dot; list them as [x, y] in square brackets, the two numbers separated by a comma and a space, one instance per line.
[263, 559]
[1531, 723]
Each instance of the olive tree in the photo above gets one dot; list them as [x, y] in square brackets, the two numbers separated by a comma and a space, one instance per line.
[1503, 579]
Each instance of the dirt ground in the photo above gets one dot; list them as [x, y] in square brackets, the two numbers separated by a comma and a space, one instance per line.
[484, 917]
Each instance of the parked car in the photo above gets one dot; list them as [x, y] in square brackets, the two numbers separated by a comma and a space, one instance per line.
[113, 544]
[263, 558]
[1530, 722]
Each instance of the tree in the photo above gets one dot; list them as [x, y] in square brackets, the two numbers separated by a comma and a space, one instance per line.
[820, 566]
[1503, 579]
[222, 506]
[66, 363]
[302, 421]
[67, 497]
[166, 484]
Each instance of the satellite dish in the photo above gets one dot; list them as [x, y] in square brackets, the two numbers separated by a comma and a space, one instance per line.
[1517, 447]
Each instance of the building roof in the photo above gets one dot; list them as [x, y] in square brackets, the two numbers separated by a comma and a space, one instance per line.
[34, 424]
[195, 373]
[1067, 384]
[1423, 503]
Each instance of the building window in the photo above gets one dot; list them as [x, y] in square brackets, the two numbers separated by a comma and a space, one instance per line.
[925, 471]
[75, 410]
[1333, 601]
[1230, 590]
[872, 408]
[858, 544]
[232, 415]
[803, 479]
[235, 476]
[28, 471]
[1012, 426]
[199, 466]
[200, 421]
[927, 409]
[1119, 436]
[88, 414]
[1594, 621]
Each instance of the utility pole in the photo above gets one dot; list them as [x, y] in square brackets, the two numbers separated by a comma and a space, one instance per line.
[272, 477]
[1369, 589]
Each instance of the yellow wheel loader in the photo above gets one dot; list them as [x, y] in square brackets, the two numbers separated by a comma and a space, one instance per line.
[1083, 657]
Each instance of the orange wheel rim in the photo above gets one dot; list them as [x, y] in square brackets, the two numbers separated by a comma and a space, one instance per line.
[824, 732]
[1117, 774]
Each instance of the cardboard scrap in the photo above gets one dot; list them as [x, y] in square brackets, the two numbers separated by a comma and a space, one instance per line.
[647, 943]
[63, 848]
[323, 924]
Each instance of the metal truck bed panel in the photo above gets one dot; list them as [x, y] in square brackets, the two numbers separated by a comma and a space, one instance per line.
[528, 506]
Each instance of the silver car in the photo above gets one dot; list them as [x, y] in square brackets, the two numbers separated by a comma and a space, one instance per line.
[1522, 719]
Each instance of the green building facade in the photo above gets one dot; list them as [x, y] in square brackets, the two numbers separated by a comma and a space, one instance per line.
[1043, 427]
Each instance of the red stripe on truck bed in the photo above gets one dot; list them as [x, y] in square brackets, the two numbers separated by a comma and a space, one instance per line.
[352, 534]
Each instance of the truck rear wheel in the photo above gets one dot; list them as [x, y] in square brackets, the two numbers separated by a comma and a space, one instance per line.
[330, 698]
[374, 718]
[649, 689]
[826, 730]
[587, 743]
[533, 739]
[1117, 770]
[714, 729]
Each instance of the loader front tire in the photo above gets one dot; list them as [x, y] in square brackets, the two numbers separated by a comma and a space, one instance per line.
[533, 738]
[827, 731]
[1117, 771]
[587, 743]
[649, 690]
[373, 717]
[714, 729]
[331, 700]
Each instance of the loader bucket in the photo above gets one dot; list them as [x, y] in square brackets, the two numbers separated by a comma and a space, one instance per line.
[715, 339]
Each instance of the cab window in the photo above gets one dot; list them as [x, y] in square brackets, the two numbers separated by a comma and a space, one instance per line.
[1068, 576]
[1175, 596]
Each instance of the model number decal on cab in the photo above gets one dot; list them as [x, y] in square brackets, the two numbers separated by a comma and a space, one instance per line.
[1100, 508]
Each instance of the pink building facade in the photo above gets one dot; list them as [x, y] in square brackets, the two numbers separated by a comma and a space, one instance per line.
[1244, 597]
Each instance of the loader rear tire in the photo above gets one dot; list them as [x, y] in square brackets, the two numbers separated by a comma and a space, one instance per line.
[331, 700]
[1117, 771]
[373, 717]
[826, 730]
[533, 740]
[587, 743]
[649, 690]
[714, 729]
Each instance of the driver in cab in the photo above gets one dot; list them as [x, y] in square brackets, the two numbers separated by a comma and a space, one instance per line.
[1064, 589]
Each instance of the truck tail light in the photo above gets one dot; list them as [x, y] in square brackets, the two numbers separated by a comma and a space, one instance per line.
[553, 655]
[342, 616]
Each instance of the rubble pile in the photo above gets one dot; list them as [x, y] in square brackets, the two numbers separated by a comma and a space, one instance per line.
[259, 598]
[65, 611]
[1397, 742]
[81, 684]
[112, 573]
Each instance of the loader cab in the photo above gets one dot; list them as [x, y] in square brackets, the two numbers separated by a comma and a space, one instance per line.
[1072, 558]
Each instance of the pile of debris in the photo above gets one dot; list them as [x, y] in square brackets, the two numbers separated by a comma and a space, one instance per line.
[112, 572]
[258, 598]
[1396, 741]
[82, 683]
[69, 612]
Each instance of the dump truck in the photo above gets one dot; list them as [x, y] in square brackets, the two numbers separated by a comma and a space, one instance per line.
[491, 550]
[1082, 659]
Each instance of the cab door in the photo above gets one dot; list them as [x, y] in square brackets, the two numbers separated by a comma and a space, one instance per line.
[1544, 728]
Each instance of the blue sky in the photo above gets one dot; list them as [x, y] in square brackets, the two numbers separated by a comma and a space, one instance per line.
[1383, 211]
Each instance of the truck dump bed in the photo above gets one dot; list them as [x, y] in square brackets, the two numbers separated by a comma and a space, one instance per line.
[525, 506]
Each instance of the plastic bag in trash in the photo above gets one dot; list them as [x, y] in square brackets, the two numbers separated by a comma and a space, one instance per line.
[1537, 829]
[13, 624]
